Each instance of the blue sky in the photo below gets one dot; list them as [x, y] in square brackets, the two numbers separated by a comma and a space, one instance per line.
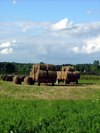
[53, 31]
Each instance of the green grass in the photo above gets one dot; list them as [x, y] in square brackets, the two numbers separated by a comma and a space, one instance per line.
[54, 116]
[53, 109]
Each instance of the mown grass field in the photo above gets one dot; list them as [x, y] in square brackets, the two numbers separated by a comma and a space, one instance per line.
[53, 109]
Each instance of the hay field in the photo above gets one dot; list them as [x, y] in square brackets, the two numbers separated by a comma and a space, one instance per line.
[86, 89]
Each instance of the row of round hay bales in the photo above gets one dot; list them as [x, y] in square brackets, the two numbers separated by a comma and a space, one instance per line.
[27, 80]
[18, 79]
[7, 77]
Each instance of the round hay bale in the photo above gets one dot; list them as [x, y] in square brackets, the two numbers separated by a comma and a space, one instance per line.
[76, 74]
[64, 68]
[41, 74]
[42, 67]
[52, 73]
[17, 80]
[72, 69]
[1, 76]
[4, 77]
[35, 68]
[62, 75]
[58, 74]
[22, 77]
[51, 67]
[28, 81]
[9, 78]
[68, 75]
[31, 73]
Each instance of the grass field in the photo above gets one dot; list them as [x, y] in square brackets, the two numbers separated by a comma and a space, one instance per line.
[53, 109]
[86, 89]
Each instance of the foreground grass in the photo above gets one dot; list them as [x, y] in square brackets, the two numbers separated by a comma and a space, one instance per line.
[53, 116]
[53, 109]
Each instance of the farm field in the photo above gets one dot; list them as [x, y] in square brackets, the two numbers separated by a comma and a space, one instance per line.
[55, 109]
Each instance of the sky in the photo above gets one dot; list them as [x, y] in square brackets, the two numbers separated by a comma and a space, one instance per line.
[50, 31]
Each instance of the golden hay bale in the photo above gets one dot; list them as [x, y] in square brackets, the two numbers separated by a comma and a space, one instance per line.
[1, 76]
[68, 74]
[64, 68]
[76, 74]
[42, 67]
[52, 73]
[22, 77]
[41, 74]
[17, 80]
[31, 74]
[39, 67]
[59, 74]
[9, 78]
[72, 69]
[51, 67]
[28, 80]
[62, 75]
[68, 68]
[4, 77]
[35, 68]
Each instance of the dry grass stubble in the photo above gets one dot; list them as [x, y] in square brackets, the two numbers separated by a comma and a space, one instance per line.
[13, 91]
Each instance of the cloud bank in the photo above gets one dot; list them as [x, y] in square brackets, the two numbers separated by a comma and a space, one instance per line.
[50, 41]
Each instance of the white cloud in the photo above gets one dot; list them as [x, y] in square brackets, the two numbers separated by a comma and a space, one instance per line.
[62, 25]
[8, 44]
[91, 12]
[76, 49]
[16, 2]
[92, 46]
[80, 30]
[6, 51]
[14, 41]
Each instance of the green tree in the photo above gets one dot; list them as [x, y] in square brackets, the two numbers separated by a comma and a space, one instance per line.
[95, 65]
[9, 68]
[77, 67]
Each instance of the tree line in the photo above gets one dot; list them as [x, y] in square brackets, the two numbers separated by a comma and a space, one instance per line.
[25, 68]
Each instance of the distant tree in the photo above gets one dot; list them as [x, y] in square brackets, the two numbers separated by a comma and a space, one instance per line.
[9, 68]
[58, 67]
[77, 67]
[95, 65]
[42, 63]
